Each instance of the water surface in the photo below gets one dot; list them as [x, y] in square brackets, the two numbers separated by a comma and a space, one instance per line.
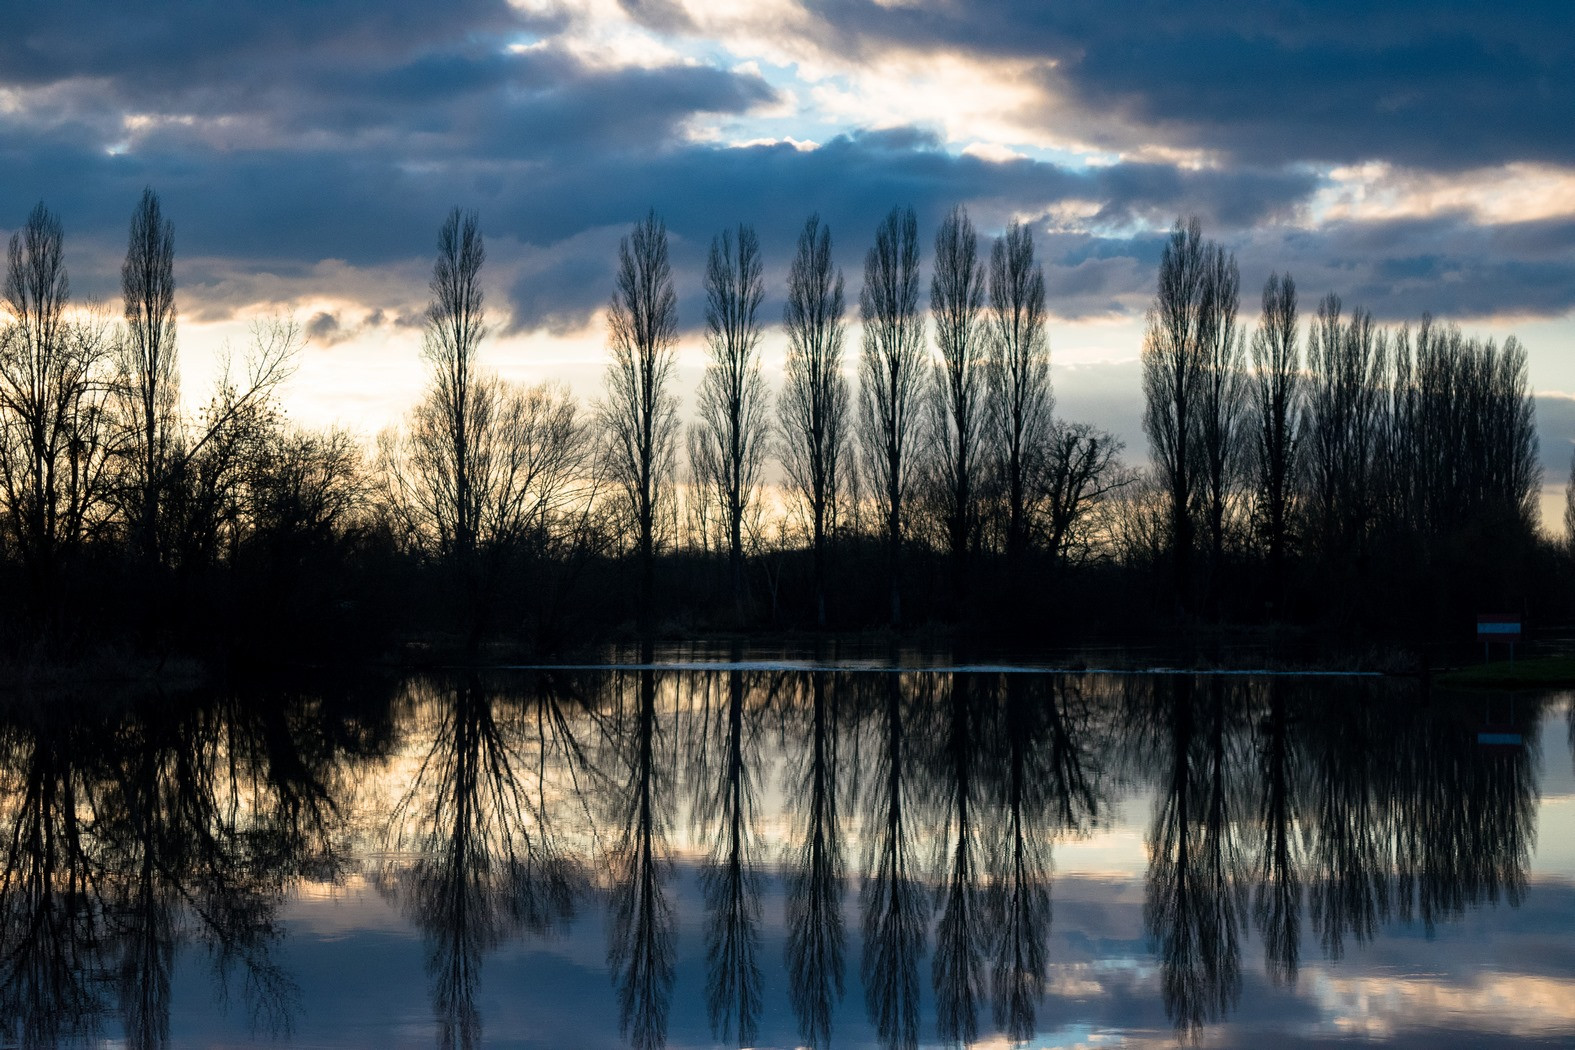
[781, 856]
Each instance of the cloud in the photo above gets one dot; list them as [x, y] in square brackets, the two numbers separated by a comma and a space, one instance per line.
[1438, 85]
[285, 210]
[1446, 264]
[183, 49]
[851, 182]
[310, 145]
[1555, 436]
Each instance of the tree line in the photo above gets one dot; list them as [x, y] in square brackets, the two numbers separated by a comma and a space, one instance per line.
[1350, 462]
[925, 480]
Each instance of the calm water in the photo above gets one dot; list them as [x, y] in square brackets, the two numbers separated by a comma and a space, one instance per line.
[782, 857]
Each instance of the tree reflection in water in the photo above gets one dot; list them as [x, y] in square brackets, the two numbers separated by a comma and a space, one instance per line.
[1313, 814]
[140, 825]
[1463, 815]
[1277, 892]
[961, 934]
[725, 815]
[1047, 783]
[1350, 853]
[474, 855]
[815, 934]
[1192, 900]
[52, 894]
[641, 951]
[892, 898]
[1384, 808]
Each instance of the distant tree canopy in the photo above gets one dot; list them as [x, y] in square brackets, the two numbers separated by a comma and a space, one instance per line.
[1312, 473]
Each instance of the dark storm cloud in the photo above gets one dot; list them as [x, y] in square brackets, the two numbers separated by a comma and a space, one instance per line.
[286, 135]
[329, 195]
[538, 180]
[851, 182]
[1446, 264]
[182, 47]
[1441, 85]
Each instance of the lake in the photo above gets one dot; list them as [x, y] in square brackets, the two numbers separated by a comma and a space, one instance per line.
[789, 855]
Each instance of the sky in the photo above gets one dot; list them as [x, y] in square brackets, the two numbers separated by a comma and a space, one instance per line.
[1410, 156]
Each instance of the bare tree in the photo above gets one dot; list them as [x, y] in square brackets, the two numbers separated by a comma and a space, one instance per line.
[890, 376]
[203, 490]
[455, 326]
[1569, 507]
[1341, 417]
[307, 486]
[1459, 441]
[1222, 394]
[732, 426]
[704, 525]
[148, 380]
[640, 416]
[1276, 423]
[526, 453]
[957, 307]
[1081, 469]
[814, 403]
[169, 467]
[1172, 375]
[53, 387]
[1018, 372]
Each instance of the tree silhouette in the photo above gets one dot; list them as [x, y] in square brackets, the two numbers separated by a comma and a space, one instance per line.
[813, 407]
[732, 425]
[149, 378]
[1018, 373]
[1222, 398]
[54, 431]
[1276, 445]
[1569, 506]
[1345, 365]
[1172, 378]
[957, 291]
[639, 413]
[890, 377]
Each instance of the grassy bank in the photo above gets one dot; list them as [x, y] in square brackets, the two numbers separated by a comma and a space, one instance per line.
[1537, 672]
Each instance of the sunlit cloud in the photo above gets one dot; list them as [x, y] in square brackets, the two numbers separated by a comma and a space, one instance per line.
[1514, 192]
[1376, 1007]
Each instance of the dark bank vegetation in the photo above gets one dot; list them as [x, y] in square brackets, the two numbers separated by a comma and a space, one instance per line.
[1312, 474]
[1537, 672]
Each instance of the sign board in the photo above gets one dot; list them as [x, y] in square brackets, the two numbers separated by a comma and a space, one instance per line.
[1498, 627]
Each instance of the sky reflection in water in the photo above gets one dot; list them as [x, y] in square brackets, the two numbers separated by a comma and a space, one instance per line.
[757, 857]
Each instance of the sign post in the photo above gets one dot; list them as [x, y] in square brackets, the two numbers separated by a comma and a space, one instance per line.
[1498, 627]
